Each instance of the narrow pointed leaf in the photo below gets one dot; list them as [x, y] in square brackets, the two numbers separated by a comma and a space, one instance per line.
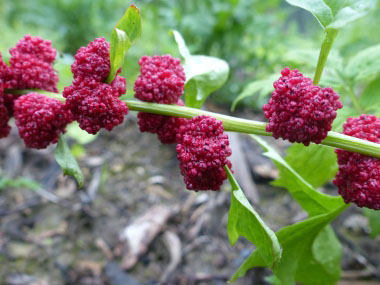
[304, 193]
[66, 160]
[309, 249]
[244, 221]
[125, 33]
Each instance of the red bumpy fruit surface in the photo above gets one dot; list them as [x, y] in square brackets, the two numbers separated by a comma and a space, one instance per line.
[166, 127]
[94, 104]
[161, 80]
[298, 111]
[92, 61]
[35, 47]
[40, 119]
[358, 179]
[4, 116]
[31, 65]
[202, 152]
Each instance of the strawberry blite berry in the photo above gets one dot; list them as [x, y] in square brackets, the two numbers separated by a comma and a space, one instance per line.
[95, 105]
[298, 111]
[202, 152]
[162, 79]
[92, 61]
[358, 178]
[40, 119]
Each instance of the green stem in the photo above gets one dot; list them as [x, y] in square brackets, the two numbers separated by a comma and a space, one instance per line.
[323, 54]
[234, 124]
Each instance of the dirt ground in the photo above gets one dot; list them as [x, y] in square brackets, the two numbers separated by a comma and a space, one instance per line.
[135, 223]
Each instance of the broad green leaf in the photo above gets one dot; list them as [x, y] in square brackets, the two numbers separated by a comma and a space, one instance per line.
[125, 33]
[311, 252]
[373, 220]
[319, 263]
[207, 74]
[303, 192]
[244, 221]
[348, 11]
[81, 136]
[365, 63]
[318, 8]
[370, 98]
[262, 87]
[21, 182]
[65, 159]
[333, 14]
[320, 161]
[204, 74]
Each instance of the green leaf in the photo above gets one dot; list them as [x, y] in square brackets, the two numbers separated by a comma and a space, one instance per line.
[66, 160]
[21, 182]
[333, 14]
[348, 11]
[204, 74]
[81, 136]
[321, 162]
[311, 252]
[258, 87]
[125, 33]
[318, 8]
[303, 192]
[374, 221]
[244, 221]
[364, 64]
[370, 98]
[182, 48]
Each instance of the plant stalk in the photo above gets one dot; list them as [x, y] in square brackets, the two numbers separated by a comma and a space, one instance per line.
[232, 124]
[324, 52]
[240, 125]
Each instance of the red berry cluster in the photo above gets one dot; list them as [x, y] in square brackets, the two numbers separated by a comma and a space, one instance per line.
[40, 119]
[202, 150]
[162, 79]
[202, 147]
[31, 65]
[299, 111]
[92, 61]
[358, 179]
[93, 103]
[4, 116]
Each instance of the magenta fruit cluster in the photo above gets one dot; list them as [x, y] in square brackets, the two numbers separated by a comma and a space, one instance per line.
[27, 72]
[93, 61]
[358, 179]
[35, 47]
[298, 111]
[31, 65]
[4, 116]
[161, 80]
[202, 152]
[166, 127]
[95, 105]
[40, 119]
